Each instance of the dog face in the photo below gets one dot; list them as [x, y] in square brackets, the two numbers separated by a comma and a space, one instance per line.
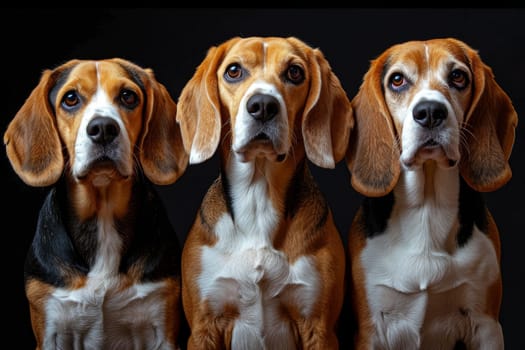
[428, 106]
[431, 100]
[264, 94]
[98, 117]
[93, 119]
[261, 90]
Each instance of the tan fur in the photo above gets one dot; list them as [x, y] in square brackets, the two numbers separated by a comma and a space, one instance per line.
[491, 121]
[355, 291]
[495, 293]
[174, 313]
[372, 155]
[37, 293]
[320, 120]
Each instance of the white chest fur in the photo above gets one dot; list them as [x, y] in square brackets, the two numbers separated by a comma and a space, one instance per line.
[243, 269]
[418, 282]
[102, 314]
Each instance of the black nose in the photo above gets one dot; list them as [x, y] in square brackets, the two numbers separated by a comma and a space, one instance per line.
[102, 130]
[263, 107]
[429, 114]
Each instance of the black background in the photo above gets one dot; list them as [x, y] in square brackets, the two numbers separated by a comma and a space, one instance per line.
[173, 42]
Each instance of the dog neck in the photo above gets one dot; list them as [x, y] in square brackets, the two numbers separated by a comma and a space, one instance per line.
[110, 199]
[261, 189]
[428, 184]
[105, 242]
[426, 198]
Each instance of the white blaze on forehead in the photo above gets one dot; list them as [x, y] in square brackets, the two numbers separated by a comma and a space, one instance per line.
[265, 51]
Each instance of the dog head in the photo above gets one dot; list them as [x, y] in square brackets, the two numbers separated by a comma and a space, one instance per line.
[257, 91]
[92, 119]
[432, 99]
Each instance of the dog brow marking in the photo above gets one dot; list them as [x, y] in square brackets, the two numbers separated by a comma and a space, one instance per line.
[265, 52]
[427, 54]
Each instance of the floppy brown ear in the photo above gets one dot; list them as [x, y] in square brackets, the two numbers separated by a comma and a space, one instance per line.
[328, 117]
[162, 153]
[490, 130]
[32, 142]
[373, 154]
[198, 107]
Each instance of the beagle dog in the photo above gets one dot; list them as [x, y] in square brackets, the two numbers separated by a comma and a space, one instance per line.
[103, 270]
[263, 264]
[433, 131]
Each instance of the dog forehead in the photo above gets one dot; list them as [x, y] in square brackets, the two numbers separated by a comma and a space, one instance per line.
[82, 71]
[446, 54]
[75, 75]
[258, 51]
[427, 55]
[418, 58]
[110, 69]
[88, 76]
[115, 74]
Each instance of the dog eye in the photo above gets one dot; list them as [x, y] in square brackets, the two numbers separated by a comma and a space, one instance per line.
[458, 79]
[129, 98]
[233, 72]
[295, 74]
[70, 99]
[397, 81]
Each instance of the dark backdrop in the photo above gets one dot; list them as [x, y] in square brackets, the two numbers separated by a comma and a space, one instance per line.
[174, 41]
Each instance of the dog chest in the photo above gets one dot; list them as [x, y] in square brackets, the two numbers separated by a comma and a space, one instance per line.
[414, 291]
[426, 320]
[259, 281]
[110, 309]
[414, 262]
[102, 314]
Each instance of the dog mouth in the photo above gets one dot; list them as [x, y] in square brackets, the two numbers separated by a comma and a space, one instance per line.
[260, 146]
[430, 144]
[261, 137]
[102, 171]
[430, 149]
